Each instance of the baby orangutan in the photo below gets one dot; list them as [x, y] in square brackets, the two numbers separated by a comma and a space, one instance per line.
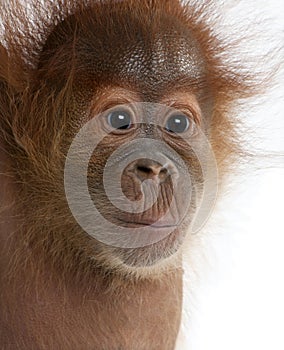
[110, 113]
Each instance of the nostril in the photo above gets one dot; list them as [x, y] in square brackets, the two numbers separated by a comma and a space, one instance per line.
[145, 172]
[144, 169]
[164, 173]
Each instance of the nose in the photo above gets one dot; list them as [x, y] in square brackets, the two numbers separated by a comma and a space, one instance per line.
[147, 169]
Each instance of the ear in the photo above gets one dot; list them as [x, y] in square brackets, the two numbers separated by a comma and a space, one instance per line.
[4, 87]
[11, 82]
[10, 93]
[3, 64]
[4, 77]
[3, 91]
[10, 74]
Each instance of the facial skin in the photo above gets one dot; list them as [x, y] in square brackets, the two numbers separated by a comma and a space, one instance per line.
[155, 67]
[172, 208]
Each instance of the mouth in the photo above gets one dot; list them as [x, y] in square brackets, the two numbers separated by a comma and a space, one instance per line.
[150, 223]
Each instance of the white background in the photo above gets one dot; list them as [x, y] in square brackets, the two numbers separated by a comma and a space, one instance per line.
[236, 299]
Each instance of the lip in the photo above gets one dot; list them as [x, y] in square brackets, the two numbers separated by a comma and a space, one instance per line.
[148, 223]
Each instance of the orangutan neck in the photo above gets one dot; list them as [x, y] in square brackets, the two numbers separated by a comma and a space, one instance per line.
[124, 315]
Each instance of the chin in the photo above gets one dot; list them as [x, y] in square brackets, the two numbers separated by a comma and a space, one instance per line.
[153, 260]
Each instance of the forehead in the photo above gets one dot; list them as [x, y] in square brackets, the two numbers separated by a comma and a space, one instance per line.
[150, 54]
[145, 49]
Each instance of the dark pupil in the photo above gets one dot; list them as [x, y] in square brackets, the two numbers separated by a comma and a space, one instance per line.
[177, 124]
[119, 120]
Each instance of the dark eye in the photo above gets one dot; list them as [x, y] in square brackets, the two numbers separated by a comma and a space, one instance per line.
[119, 120]
[177, 123]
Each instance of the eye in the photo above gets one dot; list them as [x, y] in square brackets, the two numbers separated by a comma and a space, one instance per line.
[119, 119]
[178, 123]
